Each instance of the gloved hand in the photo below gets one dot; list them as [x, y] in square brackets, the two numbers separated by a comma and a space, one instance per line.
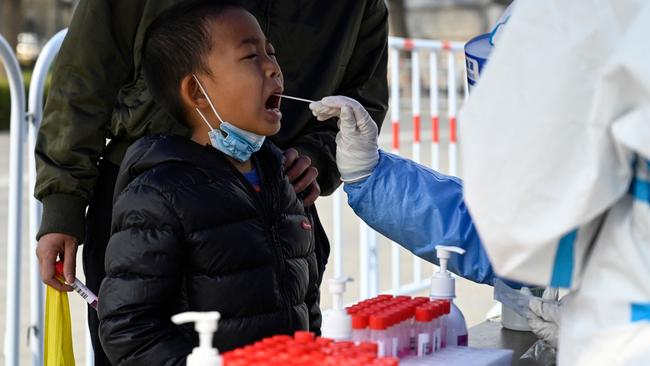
[357, 152]
[544, 316]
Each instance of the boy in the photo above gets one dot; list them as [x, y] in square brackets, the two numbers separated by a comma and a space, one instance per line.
[211, 222]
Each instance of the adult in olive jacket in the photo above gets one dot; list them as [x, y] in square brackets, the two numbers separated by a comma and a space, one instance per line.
[98, 94]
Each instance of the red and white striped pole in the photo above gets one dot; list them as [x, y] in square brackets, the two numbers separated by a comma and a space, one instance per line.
[415, 107]
[364, 263]
[415, 103]
[451, 99]
[434, 110]
[337, 251]
[395, 109]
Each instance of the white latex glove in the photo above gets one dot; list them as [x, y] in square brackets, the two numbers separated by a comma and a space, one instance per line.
[357, 152]
[544, 316]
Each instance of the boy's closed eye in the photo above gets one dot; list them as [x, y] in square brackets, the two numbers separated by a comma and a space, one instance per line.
[253, 55]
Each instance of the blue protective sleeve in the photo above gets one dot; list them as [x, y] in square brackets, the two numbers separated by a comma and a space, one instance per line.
[419, 208]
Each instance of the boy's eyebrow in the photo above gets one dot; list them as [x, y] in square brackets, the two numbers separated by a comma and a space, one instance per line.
[254, 41]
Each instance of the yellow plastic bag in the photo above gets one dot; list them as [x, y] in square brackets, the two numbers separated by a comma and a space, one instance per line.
[58, 329]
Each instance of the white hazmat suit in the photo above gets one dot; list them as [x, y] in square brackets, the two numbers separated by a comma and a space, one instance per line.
[556, 156]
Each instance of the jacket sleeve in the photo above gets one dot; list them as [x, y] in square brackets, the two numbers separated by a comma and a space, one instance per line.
[419, 208]
[364, 80]
[95, 60]
[144, 275]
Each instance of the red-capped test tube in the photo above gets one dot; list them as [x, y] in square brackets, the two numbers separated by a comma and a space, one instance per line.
[423, 328]
[379, 334]
[360, 330]
[435, 325]
[77, 286]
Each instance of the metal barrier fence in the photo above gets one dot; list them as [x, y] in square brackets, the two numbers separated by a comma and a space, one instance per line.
[34, 118]
[24, 126]
[368, 254]
[14, 226]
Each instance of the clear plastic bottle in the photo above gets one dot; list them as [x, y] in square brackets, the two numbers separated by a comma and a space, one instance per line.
[336, 321]
[456, 326]
[205, 324]
[443, 287]
[444, 318]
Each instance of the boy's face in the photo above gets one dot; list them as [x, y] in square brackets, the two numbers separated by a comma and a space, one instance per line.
[244, 74]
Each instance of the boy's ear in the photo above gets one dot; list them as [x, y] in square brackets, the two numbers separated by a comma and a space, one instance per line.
[191, 94]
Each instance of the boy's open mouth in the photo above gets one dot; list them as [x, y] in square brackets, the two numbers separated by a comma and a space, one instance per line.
[273, 102]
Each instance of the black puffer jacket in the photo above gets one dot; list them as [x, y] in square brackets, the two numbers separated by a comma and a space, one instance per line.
[190, 233]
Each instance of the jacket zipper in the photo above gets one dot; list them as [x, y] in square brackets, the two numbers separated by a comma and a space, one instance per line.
[268, 209]
[273, 193]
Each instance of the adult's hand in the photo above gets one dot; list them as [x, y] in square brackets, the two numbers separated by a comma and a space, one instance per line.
[50, 247]
[544, 316]
[302, 176]
[357, 152]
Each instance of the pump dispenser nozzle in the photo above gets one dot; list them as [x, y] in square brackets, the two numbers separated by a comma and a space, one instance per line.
[337, 289]
[337, 324]
[205, 323]
[442, 283]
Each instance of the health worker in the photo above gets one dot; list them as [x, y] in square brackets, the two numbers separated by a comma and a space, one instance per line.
[556, 158]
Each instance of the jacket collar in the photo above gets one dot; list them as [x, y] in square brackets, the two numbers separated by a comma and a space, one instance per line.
[153, 150]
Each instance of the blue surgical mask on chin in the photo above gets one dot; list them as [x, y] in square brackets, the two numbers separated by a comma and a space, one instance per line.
[229, 139]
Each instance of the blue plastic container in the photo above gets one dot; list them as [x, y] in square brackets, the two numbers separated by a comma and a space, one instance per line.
[477, 52]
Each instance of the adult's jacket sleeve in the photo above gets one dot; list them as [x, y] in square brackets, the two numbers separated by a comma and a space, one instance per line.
[419, 208]
[364, 80]
[95, 60]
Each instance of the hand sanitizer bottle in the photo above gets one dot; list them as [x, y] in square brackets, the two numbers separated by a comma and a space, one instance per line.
[443, 287]
[337, 323]
[205, 323]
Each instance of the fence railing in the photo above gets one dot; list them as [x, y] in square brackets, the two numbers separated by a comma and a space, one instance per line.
[368, 276]
[14, 224]
[34, 118]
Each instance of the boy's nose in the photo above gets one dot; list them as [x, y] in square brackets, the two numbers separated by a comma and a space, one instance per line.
[274, 72]
[273, 69]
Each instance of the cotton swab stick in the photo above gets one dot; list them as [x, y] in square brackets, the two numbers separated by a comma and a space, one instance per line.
[295, 98]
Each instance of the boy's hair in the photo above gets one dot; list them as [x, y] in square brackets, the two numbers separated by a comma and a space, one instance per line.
[175, 45]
